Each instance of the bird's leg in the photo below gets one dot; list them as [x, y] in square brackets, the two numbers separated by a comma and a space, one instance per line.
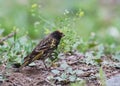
[45, 64]
[46, 67]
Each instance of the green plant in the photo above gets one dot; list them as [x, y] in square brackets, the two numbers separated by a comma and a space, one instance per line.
[15, 49]
[80, 83]
[102, 77]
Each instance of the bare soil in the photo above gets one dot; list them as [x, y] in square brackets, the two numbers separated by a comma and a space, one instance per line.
[38, 75]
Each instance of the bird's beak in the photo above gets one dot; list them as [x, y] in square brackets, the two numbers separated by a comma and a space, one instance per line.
[61, 33]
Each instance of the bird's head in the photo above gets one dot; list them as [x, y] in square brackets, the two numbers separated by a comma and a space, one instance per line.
[57, 34]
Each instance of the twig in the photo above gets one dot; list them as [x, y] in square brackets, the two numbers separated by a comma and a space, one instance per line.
[50, 82]
[74, 62]
[7, 37]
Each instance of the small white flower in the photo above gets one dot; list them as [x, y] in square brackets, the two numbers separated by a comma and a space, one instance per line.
[66, 11]
[36, 24]
[92, 34]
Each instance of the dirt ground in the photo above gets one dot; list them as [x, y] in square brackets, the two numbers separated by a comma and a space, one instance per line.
[39, 76]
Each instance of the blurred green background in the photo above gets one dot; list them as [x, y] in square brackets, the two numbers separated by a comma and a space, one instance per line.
[85, 17]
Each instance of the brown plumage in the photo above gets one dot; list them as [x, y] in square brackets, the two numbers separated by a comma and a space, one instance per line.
[44, 49]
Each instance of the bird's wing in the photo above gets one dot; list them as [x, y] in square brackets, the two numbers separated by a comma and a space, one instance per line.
[45, 44]
[37, 53]
[28, 60]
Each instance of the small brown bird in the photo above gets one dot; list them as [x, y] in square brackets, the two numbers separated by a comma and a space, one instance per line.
[44, 49]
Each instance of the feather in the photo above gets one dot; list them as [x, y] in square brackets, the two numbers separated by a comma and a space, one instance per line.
[44, 49]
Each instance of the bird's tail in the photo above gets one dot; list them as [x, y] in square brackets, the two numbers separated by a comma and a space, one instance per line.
[27, 60]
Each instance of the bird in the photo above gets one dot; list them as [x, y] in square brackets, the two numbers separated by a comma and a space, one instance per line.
[44, 49]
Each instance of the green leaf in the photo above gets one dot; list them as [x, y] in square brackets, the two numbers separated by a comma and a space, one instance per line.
[59, 78]
[56, 72]
[72, 78]
[64, 76]
[98, 60]
[64, 65]
[79, 72]
[117, 56]
[70, 70]
[80, 83]
[102, 77]
[1, 31]
[32, 64]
